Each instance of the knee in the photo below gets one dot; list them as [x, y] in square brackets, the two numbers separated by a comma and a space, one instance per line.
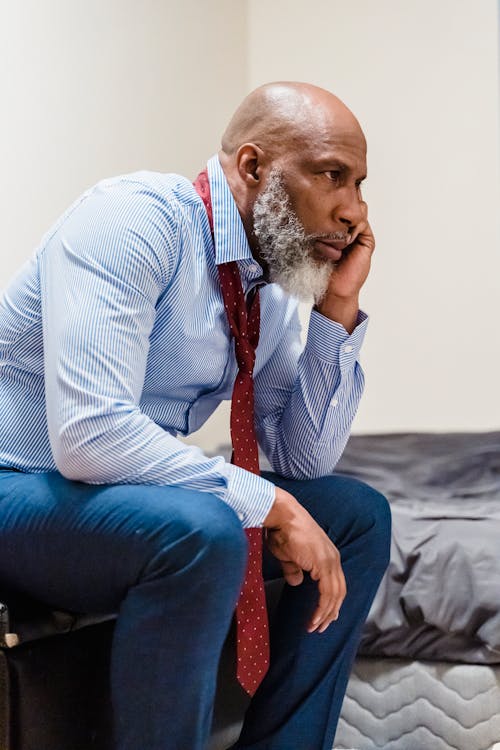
[221, 538]
[373, 521]
[211, 542]
[378, 519]
[360, 511]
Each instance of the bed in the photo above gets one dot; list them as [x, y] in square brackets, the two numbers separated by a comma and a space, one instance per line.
[427, 673]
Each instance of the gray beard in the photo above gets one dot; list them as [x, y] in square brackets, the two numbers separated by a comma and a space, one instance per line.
[285, 246]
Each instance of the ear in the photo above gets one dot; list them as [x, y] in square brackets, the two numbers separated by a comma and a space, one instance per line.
[249, 163]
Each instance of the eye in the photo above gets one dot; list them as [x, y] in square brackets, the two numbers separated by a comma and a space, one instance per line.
[334, 175]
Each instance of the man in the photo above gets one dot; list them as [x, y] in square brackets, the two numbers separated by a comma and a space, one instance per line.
[115, 339]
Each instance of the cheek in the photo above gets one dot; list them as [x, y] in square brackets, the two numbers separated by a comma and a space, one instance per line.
[311, 202]
[314, 211]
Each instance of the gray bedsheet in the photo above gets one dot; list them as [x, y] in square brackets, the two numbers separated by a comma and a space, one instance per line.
[440, 598]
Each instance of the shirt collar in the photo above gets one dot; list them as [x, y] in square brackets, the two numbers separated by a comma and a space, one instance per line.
[229, 234]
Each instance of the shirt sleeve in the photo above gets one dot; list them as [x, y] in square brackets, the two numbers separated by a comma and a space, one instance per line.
[102, 273]
[306, 400]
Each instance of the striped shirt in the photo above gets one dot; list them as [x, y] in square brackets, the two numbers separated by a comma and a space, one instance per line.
[114, 341]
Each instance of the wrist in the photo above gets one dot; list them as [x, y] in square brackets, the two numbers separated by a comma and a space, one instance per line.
[343, 310]
[282, 510]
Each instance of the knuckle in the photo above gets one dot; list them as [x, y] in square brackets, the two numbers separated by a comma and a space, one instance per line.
[334, 553]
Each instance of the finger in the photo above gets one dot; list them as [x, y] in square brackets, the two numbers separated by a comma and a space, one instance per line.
[334, 615]
[331, 617]
[326, 603]
[292, 573]
[320, 622]
[363, 237]
[325, 625]
[362, 223]
[342, 592]
[332, 590]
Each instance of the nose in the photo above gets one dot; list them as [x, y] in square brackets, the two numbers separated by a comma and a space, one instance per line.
[349, 209]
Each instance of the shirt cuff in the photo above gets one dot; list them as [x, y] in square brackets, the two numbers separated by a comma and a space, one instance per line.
[330, 341]
[249, 495]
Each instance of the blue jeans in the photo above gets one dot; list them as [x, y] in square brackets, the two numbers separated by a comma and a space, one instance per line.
[170, 562]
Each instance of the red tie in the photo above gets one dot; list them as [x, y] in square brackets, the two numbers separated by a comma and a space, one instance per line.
[251, 612]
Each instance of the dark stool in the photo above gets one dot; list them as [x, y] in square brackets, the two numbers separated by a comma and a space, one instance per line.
[54, 678]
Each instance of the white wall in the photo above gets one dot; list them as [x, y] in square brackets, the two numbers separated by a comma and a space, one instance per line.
[93, 88]
[422, 76]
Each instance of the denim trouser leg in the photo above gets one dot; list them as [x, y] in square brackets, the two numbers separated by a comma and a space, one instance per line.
[299, 701]
[170, 561]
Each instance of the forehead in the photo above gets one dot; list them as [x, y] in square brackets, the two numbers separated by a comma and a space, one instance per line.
[321, 140]
[347, 149]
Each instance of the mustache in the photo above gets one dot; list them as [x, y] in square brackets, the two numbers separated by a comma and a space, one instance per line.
[331, 237]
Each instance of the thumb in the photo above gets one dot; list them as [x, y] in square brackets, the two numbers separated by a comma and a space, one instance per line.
[292, 573]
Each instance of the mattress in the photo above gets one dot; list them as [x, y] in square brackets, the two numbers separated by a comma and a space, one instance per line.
[398, 704]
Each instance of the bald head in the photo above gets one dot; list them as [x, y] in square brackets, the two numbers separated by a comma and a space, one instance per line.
[311, 141]
[283, 115]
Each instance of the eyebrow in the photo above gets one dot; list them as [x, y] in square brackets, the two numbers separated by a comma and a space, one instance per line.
[335, 163]
[344, 168]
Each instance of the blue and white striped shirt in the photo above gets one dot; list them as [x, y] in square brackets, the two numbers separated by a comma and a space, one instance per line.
[114, 340]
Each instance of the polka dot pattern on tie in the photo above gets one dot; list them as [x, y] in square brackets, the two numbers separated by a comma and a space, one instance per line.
[244, 322]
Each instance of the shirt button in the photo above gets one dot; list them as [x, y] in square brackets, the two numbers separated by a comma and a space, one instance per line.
[241, 516]
[334, 402]
[348, 348]
[253, 268]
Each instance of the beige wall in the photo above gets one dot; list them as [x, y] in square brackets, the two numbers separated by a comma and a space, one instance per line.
[422, 76]
[91, 88]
